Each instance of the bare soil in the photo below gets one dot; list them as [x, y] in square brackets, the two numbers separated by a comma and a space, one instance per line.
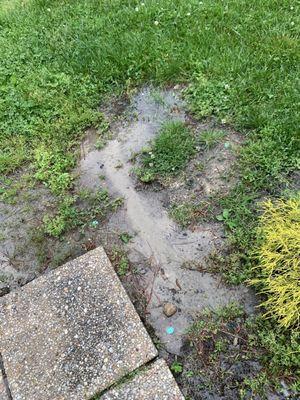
[159, 250]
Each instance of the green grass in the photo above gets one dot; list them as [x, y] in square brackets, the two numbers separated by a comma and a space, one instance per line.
[209, 139]
[240, 61]
[171, 150]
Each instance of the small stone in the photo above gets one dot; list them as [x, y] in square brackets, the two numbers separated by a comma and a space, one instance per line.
[169, 309]
[170, 330]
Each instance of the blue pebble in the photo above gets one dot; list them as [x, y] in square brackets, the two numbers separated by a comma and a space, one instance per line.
[170, 330]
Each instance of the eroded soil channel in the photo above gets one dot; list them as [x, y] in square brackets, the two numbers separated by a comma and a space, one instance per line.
[159, 247]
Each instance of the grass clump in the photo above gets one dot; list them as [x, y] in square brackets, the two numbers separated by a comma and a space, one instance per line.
[67, 217]
[239, 216]
[170, 152]
[278, 271]
[209, 139]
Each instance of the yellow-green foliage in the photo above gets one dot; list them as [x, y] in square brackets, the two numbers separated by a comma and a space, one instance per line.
[279, 260]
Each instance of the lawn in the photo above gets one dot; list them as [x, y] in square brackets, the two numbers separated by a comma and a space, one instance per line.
[60, 59]
[238, 60]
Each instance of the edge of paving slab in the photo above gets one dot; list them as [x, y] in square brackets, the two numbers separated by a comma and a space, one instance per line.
[153, 381]
[5, 393]
[49, 292]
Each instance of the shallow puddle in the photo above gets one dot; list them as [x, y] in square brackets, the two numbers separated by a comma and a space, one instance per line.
[156, 237]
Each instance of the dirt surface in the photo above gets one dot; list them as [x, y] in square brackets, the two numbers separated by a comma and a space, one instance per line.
[158, 249]
[19, 255]
[156, 237]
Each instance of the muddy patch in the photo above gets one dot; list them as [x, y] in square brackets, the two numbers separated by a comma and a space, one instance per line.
[26, 250]
[158, 261]
[19, 257]
[156, 237]
[164, 261]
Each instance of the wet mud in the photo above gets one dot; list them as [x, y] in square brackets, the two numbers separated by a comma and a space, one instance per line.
[167, 262]
[156, 238]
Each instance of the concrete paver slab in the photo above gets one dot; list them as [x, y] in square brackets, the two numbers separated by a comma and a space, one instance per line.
[155, 383]
[71, 333]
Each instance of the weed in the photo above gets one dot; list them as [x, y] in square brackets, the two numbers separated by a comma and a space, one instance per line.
[226, 218]
[77, 210]
[157, 97]
[145, 175]
[10, 189]
[279, 349]
[123, 266]
[100, 144]
[199, 166]
[116, 203]
[8, 195]
[125, 237]
[119, 165]
[120, 261]
[232, 265]
[66, 218]
[104, 135]
[227, 336]
[176, 367]
[239, 217]
[50, 169]
[257, 385]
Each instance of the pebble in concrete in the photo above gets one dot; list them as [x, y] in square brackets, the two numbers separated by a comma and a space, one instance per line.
[155, 383]
[71, 333]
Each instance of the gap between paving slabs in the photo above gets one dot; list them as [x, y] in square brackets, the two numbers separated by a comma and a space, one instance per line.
[152, 382]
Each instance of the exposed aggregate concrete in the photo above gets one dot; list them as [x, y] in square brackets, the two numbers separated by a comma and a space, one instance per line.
[156, 383]
[72, 333]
